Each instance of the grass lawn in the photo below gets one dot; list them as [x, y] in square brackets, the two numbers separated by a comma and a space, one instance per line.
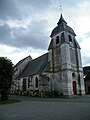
[9, 101]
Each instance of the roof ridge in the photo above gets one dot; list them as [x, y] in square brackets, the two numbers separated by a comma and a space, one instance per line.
[39, 56]
[23, 60]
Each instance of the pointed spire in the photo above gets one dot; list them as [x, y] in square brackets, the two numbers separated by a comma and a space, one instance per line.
[61, 20]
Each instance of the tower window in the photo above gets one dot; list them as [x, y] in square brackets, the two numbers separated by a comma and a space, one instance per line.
[70, 39]
[57, 40]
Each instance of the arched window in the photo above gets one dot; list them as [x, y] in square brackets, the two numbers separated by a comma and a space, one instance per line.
[36, 82]
[57, 40]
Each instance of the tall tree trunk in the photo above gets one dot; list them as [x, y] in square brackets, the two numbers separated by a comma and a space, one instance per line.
[4, 95]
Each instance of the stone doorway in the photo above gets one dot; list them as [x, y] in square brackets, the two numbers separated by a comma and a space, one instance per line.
[74, 88]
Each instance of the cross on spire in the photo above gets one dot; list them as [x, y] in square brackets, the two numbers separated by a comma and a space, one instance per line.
[61, 9]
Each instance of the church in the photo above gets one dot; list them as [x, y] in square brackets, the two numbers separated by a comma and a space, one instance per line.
[60, 69]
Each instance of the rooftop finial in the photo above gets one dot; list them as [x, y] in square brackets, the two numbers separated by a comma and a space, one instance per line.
[61, 9]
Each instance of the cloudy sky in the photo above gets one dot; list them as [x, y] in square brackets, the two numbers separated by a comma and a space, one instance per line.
[26, 25]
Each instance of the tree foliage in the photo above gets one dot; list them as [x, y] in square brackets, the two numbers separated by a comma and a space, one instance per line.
[6, 72]
[86, 70]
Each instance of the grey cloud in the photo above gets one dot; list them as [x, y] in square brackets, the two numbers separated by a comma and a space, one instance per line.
[86, 60]
[34, 7]
[5, 34]
[34, 36]
[18, 9]
[37, 4]
[87, 34]
[9, 9]
[66, 4]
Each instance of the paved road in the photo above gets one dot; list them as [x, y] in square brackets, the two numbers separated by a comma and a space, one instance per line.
[47, 109]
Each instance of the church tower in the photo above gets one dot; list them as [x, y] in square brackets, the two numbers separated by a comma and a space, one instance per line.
[65, 61]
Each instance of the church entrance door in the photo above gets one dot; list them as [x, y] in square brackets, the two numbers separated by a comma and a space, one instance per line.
[74, 88]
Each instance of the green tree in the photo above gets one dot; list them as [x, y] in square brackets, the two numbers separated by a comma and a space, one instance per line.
[6, 73]
[86, 70]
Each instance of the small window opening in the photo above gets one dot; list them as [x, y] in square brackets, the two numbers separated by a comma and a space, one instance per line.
[70, 39]
[57, 40]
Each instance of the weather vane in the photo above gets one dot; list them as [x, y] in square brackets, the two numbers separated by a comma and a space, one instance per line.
[61, 9]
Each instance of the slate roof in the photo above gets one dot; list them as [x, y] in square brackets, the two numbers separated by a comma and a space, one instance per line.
[23, 60]
[62, 26]
[35, 66]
